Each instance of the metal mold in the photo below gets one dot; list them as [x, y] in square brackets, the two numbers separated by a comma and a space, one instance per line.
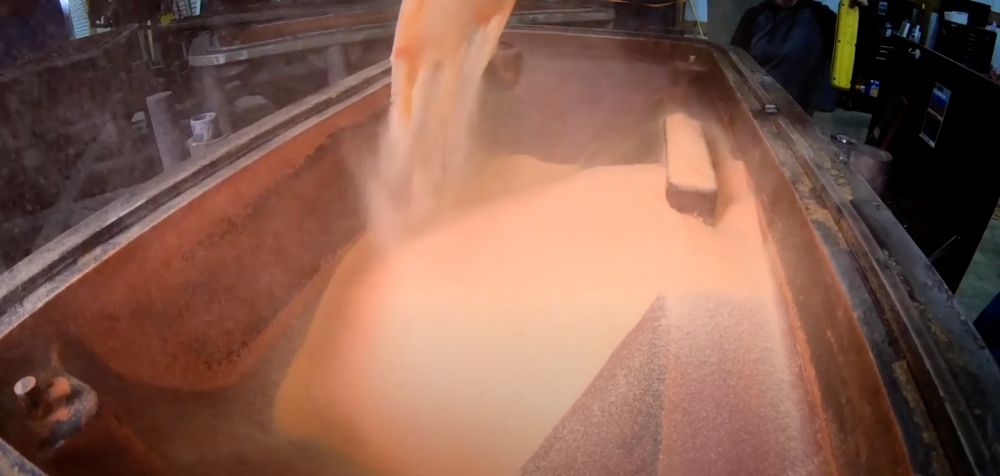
[182, 303]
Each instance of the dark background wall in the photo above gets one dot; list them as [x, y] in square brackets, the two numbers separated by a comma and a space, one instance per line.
[723, 15]
[29, 26]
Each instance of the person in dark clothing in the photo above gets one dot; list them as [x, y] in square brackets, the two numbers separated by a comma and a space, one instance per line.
[793, 41]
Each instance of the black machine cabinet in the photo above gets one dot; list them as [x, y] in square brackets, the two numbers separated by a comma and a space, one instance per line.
[938, 119]
[874, 50]
[970, 46]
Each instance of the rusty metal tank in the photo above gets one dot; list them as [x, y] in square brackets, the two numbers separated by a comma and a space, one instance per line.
[181, 304]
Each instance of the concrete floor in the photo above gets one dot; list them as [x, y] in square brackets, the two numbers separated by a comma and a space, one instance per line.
[982, 281]
[853, 124]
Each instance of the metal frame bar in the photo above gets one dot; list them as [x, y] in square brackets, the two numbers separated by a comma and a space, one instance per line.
[202, 54]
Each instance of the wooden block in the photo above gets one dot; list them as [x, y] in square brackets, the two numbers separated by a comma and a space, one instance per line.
[691, 185]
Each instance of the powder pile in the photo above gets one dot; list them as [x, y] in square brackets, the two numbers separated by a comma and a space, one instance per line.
[460, 350]
[486, 298]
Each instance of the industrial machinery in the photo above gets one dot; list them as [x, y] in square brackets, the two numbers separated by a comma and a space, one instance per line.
[85, 144]
[180, 305]
[933, 117]
[68, 147]
[273, 51]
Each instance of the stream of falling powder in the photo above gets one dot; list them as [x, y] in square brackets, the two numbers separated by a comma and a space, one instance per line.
[441, 49]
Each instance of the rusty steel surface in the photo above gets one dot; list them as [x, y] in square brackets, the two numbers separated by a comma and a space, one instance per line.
[945, 355]
[180, 304]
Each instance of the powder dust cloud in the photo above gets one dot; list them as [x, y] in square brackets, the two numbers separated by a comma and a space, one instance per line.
[441, 50]
[486, 296]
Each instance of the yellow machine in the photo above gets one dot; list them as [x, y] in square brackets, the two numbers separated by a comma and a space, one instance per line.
[847, 41]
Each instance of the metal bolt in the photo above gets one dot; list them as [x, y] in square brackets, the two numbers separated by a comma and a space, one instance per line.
[843, 139]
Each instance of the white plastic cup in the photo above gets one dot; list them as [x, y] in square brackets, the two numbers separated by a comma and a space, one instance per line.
[203, 127]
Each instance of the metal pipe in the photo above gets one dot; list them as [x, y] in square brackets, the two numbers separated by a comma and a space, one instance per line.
[163, 117]
[215, 98]
[29, 395]
[336, 63]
